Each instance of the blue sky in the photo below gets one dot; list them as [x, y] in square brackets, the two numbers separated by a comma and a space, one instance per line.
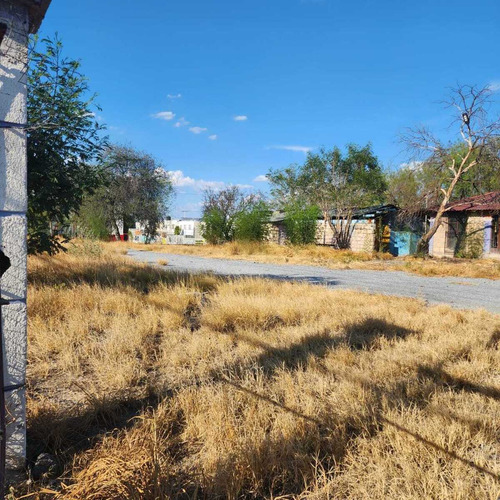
[220, 91]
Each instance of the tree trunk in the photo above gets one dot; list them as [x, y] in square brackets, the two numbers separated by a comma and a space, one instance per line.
[423, 244]
[342, 231]
[117, 229]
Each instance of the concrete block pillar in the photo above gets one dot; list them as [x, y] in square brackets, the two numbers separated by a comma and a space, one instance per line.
[13, 203]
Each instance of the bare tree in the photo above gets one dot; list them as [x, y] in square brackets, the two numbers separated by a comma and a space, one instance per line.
[477, 131]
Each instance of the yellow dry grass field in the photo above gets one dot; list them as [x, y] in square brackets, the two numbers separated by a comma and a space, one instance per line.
[147, 384]
[328, 257]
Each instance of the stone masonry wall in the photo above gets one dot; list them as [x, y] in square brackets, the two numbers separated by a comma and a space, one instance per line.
[13, 201]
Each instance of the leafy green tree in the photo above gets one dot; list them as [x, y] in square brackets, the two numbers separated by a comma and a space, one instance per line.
[64, 143]
[216, 229]
[251, 223]
[334, 181]
[91, 220]
[301, 223]
[220, 210]
[136, 189]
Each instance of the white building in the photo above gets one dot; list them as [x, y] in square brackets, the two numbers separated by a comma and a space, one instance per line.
[18, 18]
[173, 232]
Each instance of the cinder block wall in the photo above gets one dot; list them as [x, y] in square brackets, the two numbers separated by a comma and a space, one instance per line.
[362, 240]
[438, 242]
[13, 204]
[474, 242]
[474, 239]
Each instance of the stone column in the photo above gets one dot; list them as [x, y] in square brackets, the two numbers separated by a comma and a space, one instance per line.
[13, 204]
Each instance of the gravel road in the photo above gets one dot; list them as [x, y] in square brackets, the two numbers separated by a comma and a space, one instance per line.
[464, 293]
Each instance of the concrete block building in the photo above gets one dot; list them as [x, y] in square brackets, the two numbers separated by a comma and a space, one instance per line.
[469, 228]
[367, 231]
[18, 18]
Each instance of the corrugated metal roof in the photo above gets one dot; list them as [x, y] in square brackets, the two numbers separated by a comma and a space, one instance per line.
[487, 202]
[358, 213]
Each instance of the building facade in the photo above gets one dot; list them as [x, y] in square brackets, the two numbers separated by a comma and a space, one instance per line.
[469, 228]
[18, 18]
[374, 229]
[173, 232]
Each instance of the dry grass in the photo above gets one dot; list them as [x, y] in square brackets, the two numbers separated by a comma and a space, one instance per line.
[328, 257]
[147, 384]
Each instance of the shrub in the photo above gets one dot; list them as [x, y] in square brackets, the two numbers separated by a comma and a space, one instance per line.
[91, 220]
[301, 223]
[251, 224]
[216, 228]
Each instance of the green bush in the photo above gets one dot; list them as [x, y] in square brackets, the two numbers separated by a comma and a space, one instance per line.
[251, 224]
[216, 228]
[91, 220]
[301, 223]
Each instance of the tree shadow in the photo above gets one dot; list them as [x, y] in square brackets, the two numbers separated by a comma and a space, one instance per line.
[358, 336]
[81, 429]
[494, 341]
[443, 379]
[65, 431]
[364, 334]
[361, 335]
[108, 273]
[291, 357]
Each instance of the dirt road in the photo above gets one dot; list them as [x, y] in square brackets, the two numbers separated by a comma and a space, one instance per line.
[466, 293]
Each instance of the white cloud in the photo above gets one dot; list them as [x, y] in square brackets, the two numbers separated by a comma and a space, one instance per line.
[181, 122]
[240, 118]
[197, 130]
[301, 149]
[116, 130]
[212, 137]
[494, 86]
[164, 115]
[261, 178]
[412, 165]
[174, 96]
[180, 180]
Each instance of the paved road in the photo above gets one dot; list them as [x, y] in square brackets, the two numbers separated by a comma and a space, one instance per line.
[466, 293]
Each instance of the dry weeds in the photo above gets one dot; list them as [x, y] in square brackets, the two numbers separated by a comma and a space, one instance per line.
[148, 384]
[328, 257]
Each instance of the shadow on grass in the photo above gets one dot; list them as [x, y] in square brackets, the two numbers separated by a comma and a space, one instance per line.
[441, 378]
[361, 336]
[494, 342]
[66, 433]
[110, 273]
[365, 334]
